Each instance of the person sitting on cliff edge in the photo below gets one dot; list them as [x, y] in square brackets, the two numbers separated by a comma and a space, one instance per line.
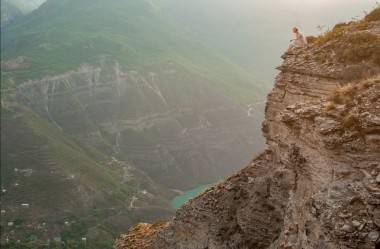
[299, 42]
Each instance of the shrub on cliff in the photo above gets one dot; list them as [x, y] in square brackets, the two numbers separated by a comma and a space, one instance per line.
[353, 45]
[343, 94]
[350, 121]
[350, 44]
[374, 15]
[311, 39]
[328, 106]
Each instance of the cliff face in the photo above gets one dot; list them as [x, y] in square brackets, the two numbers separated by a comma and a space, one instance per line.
[317, 185]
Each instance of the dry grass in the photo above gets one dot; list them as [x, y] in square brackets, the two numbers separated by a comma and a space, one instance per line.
[374, 15]
[351, 43]
[350, 121]
[342, 94]
[311, 39]
[333, 34]
[140, 236]
[357, 47]
[328, 106]
[258, 156]
[341, 24]
[159, 224]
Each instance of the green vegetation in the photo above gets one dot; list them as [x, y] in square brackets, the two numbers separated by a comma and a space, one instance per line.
[18, 222]
[76, 231]
[71, 176]
[24, 6]
[64, 152]
[59, 37]
[70, 155]
[9, 12]
[56, 151]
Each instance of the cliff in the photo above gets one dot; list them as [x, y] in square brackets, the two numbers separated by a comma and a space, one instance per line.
[317, 185]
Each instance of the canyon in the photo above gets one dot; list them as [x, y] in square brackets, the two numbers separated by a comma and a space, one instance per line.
[104, 123]
[316, 185]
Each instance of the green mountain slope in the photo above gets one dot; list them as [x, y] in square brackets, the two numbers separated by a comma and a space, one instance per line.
[9, 13]
[137, 34]
[65, 181]
[25, 6]
[107, 106]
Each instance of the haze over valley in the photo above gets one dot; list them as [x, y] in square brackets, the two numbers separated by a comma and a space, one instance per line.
[111, 109]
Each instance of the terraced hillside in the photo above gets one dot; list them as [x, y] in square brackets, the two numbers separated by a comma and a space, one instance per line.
[107, 110]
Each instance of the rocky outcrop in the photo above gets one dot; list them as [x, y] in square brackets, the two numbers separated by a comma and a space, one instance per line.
[317, 183]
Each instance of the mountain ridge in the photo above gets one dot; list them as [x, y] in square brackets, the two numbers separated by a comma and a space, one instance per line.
[317, 183]
[128, 45]
[120, 128]
[25, 6]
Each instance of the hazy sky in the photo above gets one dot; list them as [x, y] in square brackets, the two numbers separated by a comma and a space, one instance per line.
[282, 15]
[232, 25]
[307, 13]
[229, 24]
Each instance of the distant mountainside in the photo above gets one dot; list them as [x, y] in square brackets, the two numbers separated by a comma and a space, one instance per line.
[133, 36]
[108, 109]
[11, 10]
[9, 13]
[25, 6]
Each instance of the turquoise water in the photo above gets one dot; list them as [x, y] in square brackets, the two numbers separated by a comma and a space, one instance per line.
[179, 200]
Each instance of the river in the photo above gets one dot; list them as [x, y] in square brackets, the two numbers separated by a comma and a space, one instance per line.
[179, 200]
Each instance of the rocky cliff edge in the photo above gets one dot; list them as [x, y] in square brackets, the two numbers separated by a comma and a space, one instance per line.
[317, 185]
